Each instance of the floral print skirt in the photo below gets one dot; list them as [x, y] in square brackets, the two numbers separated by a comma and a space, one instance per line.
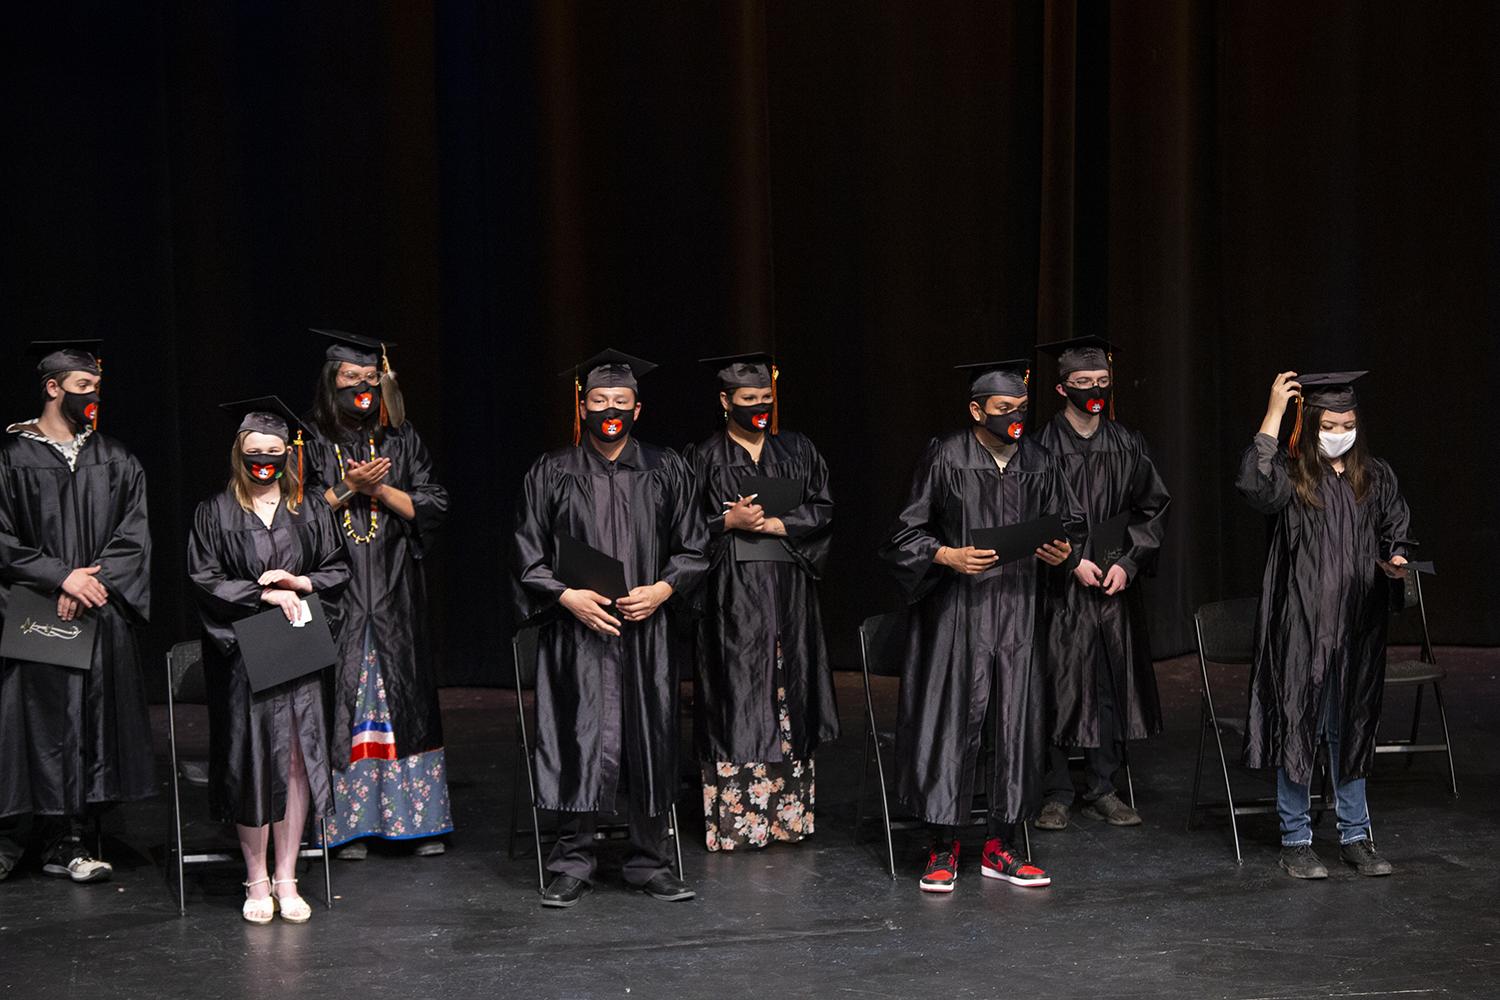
[378, 794]
[757, 803]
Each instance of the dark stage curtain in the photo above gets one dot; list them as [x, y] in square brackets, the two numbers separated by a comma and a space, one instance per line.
[876, 191]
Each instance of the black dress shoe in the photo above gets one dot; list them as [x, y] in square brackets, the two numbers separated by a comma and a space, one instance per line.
[668, 888]
[563, 891]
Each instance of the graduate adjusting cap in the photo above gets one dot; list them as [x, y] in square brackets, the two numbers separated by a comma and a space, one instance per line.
[269, 415]
[353, 347]
[609, 369]
[756, 370]
[1089, 353]
[997, 378]
[57, 356]
[1325, 390]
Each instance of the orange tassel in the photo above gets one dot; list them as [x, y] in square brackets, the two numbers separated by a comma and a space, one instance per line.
[775, 405]
[1292, 448]
[577, 407]
[1110, 359]
[98, 363]
[298, 443]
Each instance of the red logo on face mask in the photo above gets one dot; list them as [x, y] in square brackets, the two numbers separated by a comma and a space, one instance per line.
[91, 412]
[760, 420]
[1015, 430]
[263, 472]
[364, 400]
[612, 426]
[1096, 406]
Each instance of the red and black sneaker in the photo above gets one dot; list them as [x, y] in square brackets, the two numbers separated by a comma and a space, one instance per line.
[942, 870]
[998, 861]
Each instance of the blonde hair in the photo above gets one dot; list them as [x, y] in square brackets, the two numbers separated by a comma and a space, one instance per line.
[241, 485]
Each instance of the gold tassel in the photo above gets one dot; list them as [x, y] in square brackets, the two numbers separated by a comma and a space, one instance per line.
[1109, 358]
[577, 406]
[1292, 448]
[775, 405]
[298, 443]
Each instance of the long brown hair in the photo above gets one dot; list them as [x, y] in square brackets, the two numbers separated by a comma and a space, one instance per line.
[241, 485]
[1308, 466]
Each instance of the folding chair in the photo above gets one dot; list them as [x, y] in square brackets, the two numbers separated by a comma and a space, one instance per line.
[1409, 627]
[882, 652]
[1226, 637]
[523, 647]
[186, 686]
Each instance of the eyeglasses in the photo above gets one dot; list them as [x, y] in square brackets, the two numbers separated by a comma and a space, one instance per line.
[355, 378]
[1093, 383]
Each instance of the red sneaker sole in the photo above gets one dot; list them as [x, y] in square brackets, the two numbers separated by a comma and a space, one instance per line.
[1025, 883]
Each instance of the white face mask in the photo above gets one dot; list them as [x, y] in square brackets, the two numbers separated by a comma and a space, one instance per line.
[1334, 445]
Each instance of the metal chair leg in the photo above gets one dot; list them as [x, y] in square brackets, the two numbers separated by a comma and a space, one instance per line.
[327, 864]
[1437, 696]
[1026, 838]
[176, 793]
[1192, 820]
[1234, 826]
[677, 840]
[1416, 724]
[864, 776]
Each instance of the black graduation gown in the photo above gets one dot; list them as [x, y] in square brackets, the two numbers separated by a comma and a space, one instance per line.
[387, 589]
[749, 606]
[1324, 607]
[1110, 472]
[601, 700]
[250, 735]
[70, 739]
[973, 636]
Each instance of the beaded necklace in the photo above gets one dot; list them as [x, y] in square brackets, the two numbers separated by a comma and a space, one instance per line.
[355, 536]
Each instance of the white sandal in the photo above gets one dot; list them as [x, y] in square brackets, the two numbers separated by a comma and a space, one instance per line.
[294, 909]
[258, 911]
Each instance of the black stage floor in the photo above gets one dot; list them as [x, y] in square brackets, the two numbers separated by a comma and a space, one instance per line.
[1154, 911]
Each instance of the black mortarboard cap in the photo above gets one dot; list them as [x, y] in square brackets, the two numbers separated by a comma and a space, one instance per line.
[608, 369]
[743, 371]
[264, 415]
[1330, 390]
[57, 356]
[353, 347]
[997, 378]
[1080, 354]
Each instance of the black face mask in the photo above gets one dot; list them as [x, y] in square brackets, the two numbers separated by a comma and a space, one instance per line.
[1009, 427]
[360, 401]
[754, 418]
[1094, 402]
[80, 408]
[609, 425]
[264, 468]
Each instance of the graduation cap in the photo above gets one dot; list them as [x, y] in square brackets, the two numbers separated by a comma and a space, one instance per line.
[358, 349]
[1327, 391]
[756, 370]
[269, 415]
[57, 356]
[608, 369]
[997, 378]
[1083, 354]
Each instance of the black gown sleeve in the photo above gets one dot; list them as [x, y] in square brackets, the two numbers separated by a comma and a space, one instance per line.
[809, 524]
[1149, 501]
[536, 590]
[687, 533]
[914, 541]
[222, 600]
[1262, 479]
[429, 500]
[21, 562]
[1394, 515]
[328, 571]
[125, 561]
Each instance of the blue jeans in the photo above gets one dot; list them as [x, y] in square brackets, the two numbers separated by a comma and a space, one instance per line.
[1294, 801]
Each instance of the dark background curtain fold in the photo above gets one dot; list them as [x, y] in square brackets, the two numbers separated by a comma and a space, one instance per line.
[875, 191]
